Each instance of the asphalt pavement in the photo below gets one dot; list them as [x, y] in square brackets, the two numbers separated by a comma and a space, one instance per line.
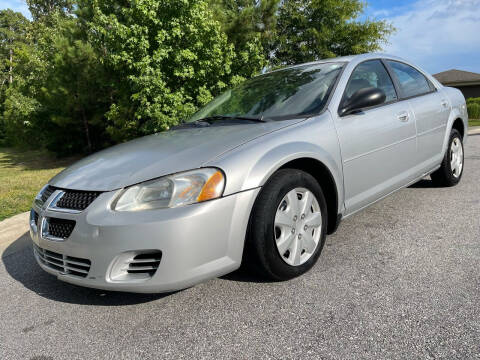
[400, 280]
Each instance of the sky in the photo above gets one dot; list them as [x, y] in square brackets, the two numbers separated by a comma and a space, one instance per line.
[437, 35]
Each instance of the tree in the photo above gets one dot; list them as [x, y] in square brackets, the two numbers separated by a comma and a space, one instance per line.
[87, 73]
[165, 59]
[315, 29]
[41, 9]
[13, 27]
[75, 90]
[250, 28]
[61, 97]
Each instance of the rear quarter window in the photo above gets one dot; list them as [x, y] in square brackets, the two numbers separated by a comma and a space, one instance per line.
[411, 81]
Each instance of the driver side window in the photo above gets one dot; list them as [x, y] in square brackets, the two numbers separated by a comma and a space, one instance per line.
[368, 74]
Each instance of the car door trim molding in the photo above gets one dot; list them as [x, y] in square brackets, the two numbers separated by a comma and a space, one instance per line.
[431, 130]
[379, 149]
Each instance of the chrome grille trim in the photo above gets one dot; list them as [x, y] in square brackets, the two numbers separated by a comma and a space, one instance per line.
[62, 263]
[34, 220]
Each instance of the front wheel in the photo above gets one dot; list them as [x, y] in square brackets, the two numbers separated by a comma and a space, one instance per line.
[451, 169]
[288, 225]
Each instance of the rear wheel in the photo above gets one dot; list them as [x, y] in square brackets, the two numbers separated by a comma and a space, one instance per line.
[288, 225]
[451, 169]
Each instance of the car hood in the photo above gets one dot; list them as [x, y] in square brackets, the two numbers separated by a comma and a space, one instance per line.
[160, 154]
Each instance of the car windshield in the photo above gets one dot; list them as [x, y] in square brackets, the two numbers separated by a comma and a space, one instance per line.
[278, 95]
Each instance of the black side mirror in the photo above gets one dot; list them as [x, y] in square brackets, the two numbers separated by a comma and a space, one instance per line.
[363, 98]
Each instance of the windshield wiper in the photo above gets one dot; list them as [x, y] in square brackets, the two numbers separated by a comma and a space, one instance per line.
[196, 123]
[232, 117]
[209, 120]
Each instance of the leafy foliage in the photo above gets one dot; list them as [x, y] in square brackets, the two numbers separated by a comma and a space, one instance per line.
[167, 58]
[84, 74]
[13, 27]
[44, 9]
[314, 29]
[250, 26]
[473, 108]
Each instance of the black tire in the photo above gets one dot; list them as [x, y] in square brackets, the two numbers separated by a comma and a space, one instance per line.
[261, 249]
[444, 176]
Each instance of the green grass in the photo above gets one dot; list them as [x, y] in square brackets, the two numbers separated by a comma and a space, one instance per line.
[22, 175]
[473, 122]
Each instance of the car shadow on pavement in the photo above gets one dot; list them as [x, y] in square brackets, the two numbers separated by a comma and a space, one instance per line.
[247, 273]
[425, 183]
[21, 265]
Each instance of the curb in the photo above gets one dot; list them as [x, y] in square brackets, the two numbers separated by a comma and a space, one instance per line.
[474, 130]
[13, 229]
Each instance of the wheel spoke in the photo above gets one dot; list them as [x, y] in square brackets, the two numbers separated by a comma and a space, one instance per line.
[285, 243]
[284, 219]
[308, 242]
[314, 220]
[306, 202]
[458, 166]
[455, 146]
[292, 199]
[296, 251]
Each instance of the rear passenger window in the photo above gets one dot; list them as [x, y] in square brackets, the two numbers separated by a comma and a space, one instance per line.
[368, 74]
[411, 81]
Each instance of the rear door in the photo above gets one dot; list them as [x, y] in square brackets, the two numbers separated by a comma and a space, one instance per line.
[430, 108]
[378, 144]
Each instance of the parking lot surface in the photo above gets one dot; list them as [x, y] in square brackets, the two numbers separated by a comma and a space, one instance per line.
[398, 280]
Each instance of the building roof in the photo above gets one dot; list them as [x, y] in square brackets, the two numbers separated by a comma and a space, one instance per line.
[458, 77]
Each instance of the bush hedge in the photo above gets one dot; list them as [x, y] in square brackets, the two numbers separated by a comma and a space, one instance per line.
[473, 108]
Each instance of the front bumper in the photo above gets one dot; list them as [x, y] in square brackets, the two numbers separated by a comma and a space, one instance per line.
[197, 242]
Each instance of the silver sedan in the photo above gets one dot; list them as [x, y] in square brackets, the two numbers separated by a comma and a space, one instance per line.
[260, 175]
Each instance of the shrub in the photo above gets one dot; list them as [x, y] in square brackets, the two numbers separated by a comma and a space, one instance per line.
[473, 108]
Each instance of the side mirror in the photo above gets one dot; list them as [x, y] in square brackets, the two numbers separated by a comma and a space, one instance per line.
[363, 98]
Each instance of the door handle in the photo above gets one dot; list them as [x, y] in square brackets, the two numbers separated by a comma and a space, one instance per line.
[444, 103]
[403, 117]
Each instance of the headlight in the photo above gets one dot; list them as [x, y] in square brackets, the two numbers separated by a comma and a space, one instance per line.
[174, 190]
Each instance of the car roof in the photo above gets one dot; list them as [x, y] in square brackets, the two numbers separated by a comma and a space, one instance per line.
[346, 59]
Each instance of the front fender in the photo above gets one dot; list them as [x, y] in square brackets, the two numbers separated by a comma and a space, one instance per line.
[252, 164]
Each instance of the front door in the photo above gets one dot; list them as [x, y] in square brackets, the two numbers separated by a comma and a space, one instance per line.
[378, 145]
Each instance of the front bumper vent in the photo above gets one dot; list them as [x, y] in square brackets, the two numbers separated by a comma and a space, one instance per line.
[145, 263]
[64, 264]
[133, 266]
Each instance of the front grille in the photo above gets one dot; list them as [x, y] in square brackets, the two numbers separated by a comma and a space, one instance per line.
[62, 263]
[145, 263]
[46, 193]
[60, 228]
[77, 200]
